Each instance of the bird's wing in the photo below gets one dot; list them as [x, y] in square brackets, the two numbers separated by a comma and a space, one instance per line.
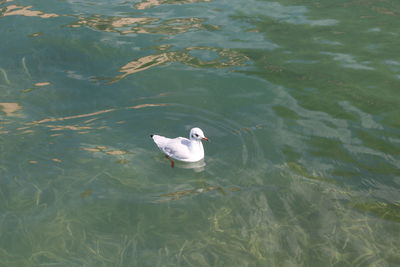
[177, 148]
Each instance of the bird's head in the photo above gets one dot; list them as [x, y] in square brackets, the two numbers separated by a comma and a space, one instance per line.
[197, 134]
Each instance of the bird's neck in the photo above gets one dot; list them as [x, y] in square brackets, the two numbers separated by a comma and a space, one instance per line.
[196, 144]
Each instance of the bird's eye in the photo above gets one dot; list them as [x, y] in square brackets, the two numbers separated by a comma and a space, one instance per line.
[195, 135]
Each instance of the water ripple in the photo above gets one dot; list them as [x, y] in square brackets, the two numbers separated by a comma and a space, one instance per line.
[226, 58]
[15, 10]
[154, 3]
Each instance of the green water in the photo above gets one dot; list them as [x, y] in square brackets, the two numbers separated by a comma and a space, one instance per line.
[300, 100]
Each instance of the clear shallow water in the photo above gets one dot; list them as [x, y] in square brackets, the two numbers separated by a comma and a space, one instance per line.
[300, 100]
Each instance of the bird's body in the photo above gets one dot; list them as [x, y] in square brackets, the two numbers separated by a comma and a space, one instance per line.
[180, 148]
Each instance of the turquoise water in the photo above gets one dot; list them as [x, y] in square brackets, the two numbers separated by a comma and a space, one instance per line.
[300, 100]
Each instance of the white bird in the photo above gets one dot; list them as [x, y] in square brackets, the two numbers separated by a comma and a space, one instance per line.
[180, 148]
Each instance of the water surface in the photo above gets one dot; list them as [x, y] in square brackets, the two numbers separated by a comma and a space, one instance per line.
[299, 99]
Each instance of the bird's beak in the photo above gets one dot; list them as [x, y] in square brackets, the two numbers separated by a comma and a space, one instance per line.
[204, 138]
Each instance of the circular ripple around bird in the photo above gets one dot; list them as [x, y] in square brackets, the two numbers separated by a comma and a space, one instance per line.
[230, 142]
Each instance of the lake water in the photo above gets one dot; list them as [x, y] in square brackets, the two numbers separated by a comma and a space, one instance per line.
[300, 101]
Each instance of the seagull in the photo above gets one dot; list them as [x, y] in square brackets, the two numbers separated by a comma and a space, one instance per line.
[180, 148]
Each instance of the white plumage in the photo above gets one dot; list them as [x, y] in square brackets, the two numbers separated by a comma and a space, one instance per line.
[182, 149]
